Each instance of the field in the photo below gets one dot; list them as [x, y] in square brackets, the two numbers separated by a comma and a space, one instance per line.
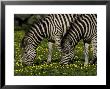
[41, 68]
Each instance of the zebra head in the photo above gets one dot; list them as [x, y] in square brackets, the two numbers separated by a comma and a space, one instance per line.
[67, 50]
[28, 53]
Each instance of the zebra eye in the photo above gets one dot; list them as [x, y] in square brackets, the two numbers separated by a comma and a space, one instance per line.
[25, 52]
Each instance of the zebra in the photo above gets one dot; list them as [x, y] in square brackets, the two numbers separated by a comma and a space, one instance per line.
[53, 27]
[85, 28]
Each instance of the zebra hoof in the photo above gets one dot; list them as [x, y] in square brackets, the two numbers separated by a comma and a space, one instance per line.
[48, 62]
[93, 61]
[86, 63]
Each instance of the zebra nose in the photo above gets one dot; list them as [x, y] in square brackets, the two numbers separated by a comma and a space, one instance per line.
[24, 64]
[27, 64]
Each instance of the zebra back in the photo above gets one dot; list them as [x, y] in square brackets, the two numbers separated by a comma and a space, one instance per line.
[84, 27]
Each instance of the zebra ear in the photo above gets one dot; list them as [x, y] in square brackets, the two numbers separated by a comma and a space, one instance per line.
[22, 45]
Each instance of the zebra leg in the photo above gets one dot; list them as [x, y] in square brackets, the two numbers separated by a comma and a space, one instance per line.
[86, 45]
[49, 52]
[58, 43]
[94, 47]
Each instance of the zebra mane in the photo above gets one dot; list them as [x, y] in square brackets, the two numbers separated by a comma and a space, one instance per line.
[66, 37]
[22, 43]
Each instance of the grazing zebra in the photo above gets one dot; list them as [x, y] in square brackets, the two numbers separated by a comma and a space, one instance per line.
[52, 27]
[85, 27]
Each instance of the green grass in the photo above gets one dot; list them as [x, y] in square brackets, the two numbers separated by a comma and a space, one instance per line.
[41, 68]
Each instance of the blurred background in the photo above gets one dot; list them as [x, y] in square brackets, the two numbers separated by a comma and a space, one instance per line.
[23, 21]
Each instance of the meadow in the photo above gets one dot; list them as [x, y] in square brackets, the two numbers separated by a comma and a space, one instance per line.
[41, 68]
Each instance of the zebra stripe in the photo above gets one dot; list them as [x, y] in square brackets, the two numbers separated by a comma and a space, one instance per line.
[53, 27]
[84, 27]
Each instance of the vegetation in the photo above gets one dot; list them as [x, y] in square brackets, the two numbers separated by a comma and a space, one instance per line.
[41, 68]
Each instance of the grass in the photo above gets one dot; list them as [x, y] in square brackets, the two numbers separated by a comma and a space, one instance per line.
[41, 68]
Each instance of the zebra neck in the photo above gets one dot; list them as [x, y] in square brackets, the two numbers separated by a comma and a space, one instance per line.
[74, 38]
